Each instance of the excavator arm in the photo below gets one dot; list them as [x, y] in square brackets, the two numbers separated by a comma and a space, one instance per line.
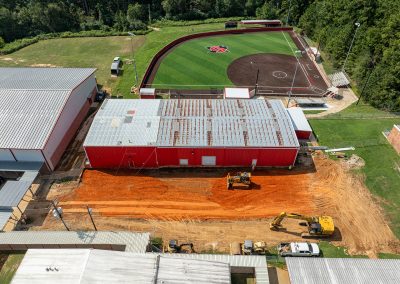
[277, 222]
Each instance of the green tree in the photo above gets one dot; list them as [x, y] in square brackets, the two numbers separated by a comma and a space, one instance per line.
[136, 12]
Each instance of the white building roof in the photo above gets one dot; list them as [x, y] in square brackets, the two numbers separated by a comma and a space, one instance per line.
[31, 99]
[299, 120]
[192, 123]
[343, 270]
[100, 266]
[237, 93]
[133, 242]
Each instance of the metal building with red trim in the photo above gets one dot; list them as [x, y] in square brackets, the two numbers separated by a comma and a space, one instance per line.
[191, 133]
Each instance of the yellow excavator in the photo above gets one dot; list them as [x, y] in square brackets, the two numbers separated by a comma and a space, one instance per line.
[318, 226]
[240, 179]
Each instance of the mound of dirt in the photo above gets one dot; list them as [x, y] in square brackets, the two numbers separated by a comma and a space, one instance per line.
[353, 163]
[360, 222]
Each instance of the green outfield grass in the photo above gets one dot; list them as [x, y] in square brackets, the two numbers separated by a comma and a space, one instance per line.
[192, 65]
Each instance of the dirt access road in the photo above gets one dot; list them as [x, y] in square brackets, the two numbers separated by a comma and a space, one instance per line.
[197, 207]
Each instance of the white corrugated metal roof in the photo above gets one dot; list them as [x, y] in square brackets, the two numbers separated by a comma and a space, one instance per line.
[299, 120]
[5, 215]
[258, 262]
[135, 242]
[13, 191]
[43, 78]
[31, 99]
[192, 122]
[97, 266]
[343, 270]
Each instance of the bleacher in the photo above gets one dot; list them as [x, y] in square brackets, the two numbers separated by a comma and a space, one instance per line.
[339, 79]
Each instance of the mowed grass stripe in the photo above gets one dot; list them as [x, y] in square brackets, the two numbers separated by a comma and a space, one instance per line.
[185, 73]
[192, 64]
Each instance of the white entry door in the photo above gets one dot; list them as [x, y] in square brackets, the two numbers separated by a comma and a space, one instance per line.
[208, 160]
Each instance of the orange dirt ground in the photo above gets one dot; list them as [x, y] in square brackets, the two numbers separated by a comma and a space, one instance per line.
[191, 196]
[195, 206]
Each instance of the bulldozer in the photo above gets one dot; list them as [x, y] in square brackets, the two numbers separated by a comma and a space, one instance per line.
[318, 226]
[239, 179]
[173, 247]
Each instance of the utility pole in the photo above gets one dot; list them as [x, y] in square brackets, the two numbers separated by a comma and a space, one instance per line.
[291, 87]
[288, 13]
[89, 210]
[133, 58]
[57, 212]
[351, 45]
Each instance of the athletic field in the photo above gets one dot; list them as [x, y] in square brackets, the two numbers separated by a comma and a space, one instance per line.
[191, 65]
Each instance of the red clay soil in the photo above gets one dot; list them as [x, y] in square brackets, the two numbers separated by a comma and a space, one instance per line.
[189, 195]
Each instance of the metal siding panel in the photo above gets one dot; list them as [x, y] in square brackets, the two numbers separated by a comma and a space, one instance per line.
[343, 271]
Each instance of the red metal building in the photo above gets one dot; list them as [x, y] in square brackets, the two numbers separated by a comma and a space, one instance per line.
[191, 133]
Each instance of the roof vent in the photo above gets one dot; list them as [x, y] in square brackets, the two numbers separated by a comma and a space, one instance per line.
[148, 124]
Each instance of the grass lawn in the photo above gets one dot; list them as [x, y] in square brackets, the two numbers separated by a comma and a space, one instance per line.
[331, 251]
[95, 52]
[10, 266]
[361, 127]
[191, 63]
[388, 256]
[313, 111]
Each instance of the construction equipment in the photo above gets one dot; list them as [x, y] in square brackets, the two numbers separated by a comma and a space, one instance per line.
[173, 247]
[260, 247]
[238, 179]
[247, 247]
[318, 226]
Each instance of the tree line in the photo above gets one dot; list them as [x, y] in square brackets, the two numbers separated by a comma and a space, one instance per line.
[375, 55]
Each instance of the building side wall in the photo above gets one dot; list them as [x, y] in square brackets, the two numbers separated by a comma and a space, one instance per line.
[6, 155]
[151, 157]
[394, 139]
[28, 155]
[69, 120]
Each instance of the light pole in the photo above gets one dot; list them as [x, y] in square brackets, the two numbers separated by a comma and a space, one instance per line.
[288, 13]
[291, 87]
[371, 69]
[351, 45]
[89, 210]
[58, 214]
[133, 57]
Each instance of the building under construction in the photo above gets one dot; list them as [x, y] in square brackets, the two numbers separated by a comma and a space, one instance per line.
[191, 133]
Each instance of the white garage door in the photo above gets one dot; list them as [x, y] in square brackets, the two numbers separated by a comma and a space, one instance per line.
[208, 160]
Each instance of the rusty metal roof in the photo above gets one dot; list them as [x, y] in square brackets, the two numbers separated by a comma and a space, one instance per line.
[193, 123]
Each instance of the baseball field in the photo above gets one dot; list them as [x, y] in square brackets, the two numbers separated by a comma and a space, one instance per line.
[275, 60]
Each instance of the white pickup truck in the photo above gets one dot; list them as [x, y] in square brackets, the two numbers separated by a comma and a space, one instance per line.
[298, 249]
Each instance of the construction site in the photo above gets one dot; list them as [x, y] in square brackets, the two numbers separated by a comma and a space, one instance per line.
[195, 205]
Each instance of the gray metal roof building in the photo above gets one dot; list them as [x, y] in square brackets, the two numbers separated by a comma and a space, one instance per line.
[192, 123]
[42, 78]
[343, 271]
[31, 101]
[96, 266]
[126, 241]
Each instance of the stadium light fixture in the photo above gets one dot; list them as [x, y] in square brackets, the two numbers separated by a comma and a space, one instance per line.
[133, 57]
[351, 45]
